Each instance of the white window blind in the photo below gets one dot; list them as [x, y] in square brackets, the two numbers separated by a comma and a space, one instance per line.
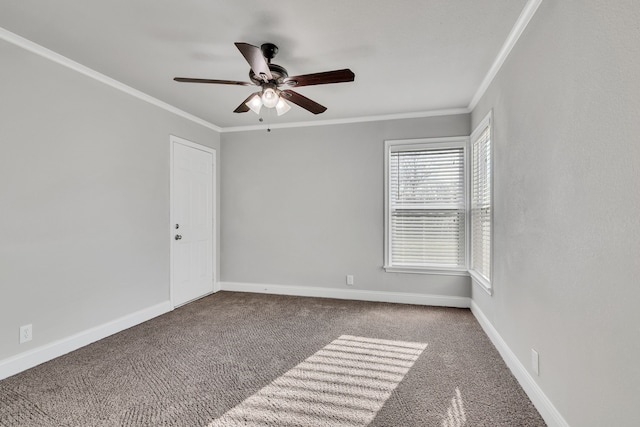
[426, 217]
[481, 204]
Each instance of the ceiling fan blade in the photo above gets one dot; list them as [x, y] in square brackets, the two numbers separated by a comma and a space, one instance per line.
[337, 76]
[220, 82]
[256, 60]
[243, 108]
[303, 102]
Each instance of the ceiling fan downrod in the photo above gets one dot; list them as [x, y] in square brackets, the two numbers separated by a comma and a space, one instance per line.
[269, 50]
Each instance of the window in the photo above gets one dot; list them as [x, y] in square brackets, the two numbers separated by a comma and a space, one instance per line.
[481, 204]
[425, 205]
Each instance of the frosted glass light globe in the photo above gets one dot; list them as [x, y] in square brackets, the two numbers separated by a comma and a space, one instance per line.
[270, 98]
[282, 107]
[255, 104]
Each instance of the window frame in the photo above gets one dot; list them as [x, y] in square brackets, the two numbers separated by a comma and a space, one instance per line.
[412, 145]
[477, 278]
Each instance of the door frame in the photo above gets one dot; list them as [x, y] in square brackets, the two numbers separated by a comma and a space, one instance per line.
[173, 139]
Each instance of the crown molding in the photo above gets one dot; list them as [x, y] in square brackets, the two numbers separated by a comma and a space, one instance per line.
[523, 20]
[69, 63]
[402, 116]
[518, 28]
[521, 24]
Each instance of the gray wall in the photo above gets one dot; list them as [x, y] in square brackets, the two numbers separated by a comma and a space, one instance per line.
[84, 197]
[304, 206]
[567, 238]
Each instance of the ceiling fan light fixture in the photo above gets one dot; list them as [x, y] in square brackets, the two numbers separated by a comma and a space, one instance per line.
[270, 97]
[255, 103]
[274, 82]
[282, 106]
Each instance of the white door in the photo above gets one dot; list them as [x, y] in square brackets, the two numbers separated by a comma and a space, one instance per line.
[192, 237]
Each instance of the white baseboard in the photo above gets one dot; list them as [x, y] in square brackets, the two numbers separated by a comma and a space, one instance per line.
[350, 294]
[36, 356]
[549, 413]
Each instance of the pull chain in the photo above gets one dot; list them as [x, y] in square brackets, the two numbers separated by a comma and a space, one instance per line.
[268, 115]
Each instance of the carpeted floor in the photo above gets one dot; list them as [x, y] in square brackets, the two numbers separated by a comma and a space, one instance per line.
[242, 359]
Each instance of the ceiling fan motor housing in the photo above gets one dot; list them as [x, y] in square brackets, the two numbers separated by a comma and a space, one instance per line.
[278, 72]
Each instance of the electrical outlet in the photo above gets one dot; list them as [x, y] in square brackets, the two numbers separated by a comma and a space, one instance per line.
[26, 333]
[349, 279]
[535, 362]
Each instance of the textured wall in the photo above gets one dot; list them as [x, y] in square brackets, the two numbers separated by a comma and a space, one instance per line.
[304, 206]
[84, 196]
[566, 107]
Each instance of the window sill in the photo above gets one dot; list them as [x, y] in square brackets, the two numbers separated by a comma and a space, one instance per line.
[481, 282]
[423, 270]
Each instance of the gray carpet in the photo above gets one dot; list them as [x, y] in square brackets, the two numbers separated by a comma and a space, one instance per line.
[238, 359]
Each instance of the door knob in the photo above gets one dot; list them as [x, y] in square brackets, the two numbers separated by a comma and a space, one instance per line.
[178, 237]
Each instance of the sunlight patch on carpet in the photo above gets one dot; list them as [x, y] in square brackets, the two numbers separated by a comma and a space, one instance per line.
[456, 416]
[344, 384]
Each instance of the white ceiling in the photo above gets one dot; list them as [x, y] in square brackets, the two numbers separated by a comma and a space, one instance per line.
[409, 56]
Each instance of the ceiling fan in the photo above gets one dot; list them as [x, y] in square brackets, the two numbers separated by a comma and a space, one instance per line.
[275, 83]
